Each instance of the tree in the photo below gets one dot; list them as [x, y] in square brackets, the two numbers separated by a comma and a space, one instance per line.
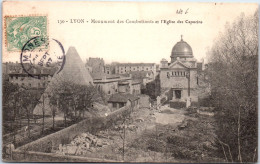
[153, 88]
[53, 102]
[233, 71]
[10, 106]
[29, 99]
[73, 98]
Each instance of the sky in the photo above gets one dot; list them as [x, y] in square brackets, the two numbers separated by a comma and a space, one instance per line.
[129, 42]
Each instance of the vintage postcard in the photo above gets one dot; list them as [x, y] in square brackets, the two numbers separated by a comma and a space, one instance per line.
[129, 82]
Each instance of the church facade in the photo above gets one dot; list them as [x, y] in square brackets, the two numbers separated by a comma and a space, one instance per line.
[179, 77]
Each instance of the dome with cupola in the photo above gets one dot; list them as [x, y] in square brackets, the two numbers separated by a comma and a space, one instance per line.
[182, 50]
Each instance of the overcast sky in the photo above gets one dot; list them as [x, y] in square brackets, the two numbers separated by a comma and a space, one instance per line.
[131, 42]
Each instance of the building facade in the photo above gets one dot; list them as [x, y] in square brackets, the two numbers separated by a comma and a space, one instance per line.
[112, 84]
[125, 68]
[179, 77]
[41, 76]
[120, 100]
[95, 65]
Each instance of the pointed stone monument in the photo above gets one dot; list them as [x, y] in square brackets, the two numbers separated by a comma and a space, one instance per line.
[74, 71]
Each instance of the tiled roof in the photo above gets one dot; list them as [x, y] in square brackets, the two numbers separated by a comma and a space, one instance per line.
[100, 75]
[34, 71]
[119, 97]
[140, 74]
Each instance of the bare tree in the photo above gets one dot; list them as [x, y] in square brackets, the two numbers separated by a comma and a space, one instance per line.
[233, 76]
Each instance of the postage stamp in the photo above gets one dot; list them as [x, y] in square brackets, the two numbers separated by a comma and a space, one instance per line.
[20, 29]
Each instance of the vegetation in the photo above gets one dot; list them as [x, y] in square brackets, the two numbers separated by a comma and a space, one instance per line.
[152, 88]
[71, 99]
[233, 72]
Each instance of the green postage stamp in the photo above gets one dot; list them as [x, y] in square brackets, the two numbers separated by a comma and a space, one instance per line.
[20, 30]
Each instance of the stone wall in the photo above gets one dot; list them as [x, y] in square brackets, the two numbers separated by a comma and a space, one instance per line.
[91, 125]
[31, 156]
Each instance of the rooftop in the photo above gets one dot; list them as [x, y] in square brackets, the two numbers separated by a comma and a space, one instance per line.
[101, 75]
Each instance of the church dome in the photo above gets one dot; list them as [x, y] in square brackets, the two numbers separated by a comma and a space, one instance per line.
[181, 49]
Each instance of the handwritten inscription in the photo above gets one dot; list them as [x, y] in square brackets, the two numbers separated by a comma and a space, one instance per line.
[181, 11]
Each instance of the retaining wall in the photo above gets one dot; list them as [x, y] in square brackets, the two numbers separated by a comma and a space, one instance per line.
[64, 136]
[31, 156]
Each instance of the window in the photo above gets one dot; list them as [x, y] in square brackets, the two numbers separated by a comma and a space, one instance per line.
[108, 92]
[147, 69]
[121, 105]
[17, 77]
[114, 105]
[30, 85]
[116, 90]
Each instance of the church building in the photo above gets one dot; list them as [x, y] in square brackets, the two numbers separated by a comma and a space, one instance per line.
[179, 78]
